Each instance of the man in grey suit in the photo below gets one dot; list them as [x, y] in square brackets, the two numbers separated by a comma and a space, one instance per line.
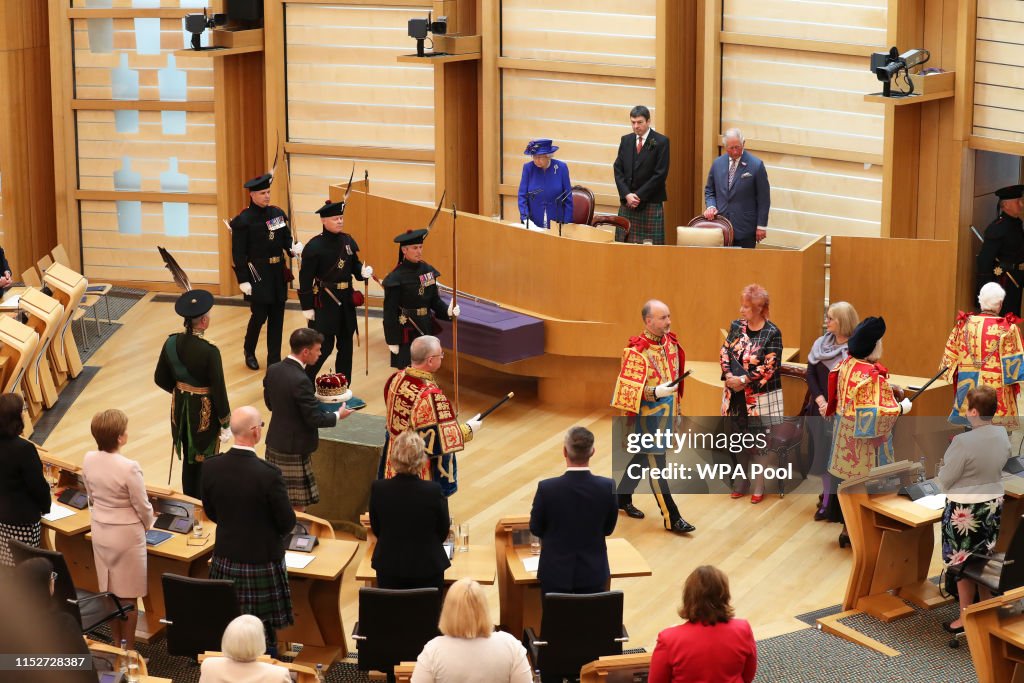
[738, 189]
[297, 417]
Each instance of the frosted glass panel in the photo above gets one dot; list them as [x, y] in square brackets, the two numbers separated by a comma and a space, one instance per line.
[126, 121]
[176, 219]
[147, 36]
[172, 122]
[129, 217]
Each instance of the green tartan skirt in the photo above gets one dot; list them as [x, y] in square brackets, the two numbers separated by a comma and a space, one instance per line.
[647, 222]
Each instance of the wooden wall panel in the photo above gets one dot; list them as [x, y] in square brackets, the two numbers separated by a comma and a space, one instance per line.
[310, 176]
[859, 22]
[999, 71]
[824, 196]
[101, 151]
[618, 32]
[110, 254]
[591, 116]
[344, 83]
[799, 97]
[92, 70]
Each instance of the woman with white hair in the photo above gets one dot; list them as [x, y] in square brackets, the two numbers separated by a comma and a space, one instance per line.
[243, 643]
[470, 649]
[985, 350]
[860, 385]
[410, 518]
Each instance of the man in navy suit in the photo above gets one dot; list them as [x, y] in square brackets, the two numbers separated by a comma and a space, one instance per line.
[738, 189]
[641, 167]
[572, 514]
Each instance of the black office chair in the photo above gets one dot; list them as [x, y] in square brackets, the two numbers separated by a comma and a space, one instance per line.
[91, 610]
[999, 572]
[576, 629]
[198, 611]
[394, 625]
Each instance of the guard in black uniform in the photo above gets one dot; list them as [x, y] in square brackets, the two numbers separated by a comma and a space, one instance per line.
[1001, 258]
[411, 300]
[261, 240]
[329, 302]
[190, 369]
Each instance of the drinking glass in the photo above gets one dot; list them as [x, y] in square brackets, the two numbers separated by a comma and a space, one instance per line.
[133, 667]
[464, 537]
[534, 545]
[197, 528]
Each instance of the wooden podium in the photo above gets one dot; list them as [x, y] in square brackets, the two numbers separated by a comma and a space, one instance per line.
[616, 669]
[995, 634]
[519, 590]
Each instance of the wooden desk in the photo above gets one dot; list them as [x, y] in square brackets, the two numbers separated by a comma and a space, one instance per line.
[997, 643]
[519, 590]
[616, 667]
[6, 306]
[316, 603]
[477, 564]
[893, 539]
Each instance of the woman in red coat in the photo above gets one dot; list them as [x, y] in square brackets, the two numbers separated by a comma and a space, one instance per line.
[710, 645]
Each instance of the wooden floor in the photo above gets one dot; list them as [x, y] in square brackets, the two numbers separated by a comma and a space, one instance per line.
[780, 562]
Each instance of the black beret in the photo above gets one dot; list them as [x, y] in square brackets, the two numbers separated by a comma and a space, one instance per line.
[331, 209]
[411, 237]
[865, 336]
[260, 183]
[194, 303]
[1011, 192]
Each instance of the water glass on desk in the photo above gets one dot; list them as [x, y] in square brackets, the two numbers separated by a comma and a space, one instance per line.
[464, 537]
[132, 675]
[534, 545]
[197, 528]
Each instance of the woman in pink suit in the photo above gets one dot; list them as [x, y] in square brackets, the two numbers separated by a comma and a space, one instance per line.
[121, 514]
[711, 645]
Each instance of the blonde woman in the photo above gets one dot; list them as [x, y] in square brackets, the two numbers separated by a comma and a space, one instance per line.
[470, 649]
[121, 514]
[242, 643]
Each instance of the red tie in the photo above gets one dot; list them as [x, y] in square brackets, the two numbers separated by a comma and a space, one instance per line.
[639, 144]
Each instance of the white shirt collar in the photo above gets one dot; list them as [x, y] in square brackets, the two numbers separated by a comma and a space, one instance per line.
[297, 361]
[577, 469]
[244, 448]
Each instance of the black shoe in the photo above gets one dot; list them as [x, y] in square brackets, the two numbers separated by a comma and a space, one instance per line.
[632, 511]
[681, 526]
[844, 539]
[949, 629]
[251, 363]
[820, 514]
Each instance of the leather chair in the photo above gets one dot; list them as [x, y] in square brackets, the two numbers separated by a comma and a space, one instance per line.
[198, 611]
[91, 610]
[999, 572]
[575, 630]
[701, 232]
[394, 625]
[582, 205]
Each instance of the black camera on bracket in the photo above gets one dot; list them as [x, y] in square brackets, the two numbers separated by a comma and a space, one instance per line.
[197, 23]
[420, 28]
[887, 65]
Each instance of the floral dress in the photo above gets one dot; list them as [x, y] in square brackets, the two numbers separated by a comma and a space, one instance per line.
[969, 528]
[755, 355]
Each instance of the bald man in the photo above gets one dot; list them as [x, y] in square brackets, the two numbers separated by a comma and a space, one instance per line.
[644, 393]
[246, 497]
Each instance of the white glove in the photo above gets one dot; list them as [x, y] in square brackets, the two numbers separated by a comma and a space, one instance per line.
[393, 348]
[530, 225]
[225, 435]
[297, 249]
[246, 288]
[905, 406]
[453, 310]
[663, 390]
[474, 423]
[309, 314]
[366, 272]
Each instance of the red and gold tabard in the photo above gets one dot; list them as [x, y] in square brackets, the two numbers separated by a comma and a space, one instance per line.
[647, 362]
[866, 412]
[414, 401]
[985, 350]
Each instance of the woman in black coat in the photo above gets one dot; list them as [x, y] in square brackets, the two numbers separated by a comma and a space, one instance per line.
[24, 493]
[410, 518]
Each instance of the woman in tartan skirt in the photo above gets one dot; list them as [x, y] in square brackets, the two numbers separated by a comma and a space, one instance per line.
[971, 477]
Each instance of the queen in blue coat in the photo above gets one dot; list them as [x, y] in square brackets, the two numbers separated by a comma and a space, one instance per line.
[545, 191]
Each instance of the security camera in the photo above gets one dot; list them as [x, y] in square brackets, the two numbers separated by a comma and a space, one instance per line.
[196, 24]
[886, 66]
[420, 28]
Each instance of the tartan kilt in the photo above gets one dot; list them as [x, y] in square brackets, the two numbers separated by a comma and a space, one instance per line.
[647, 222]
[262, 589]
[297, 470]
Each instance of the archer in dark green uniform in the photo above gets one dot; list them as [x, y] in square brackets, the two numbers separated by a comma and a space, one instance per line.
[190, 369]
[1001, 258]
[411, 299]
[261, 240]
[329, 262]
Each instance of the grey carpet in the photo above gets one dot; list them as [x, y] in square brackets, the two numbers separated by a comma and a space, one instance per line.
[49, 419]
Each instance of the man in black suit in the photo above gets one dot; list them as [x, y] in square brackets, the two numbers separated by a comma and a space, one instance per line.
[572, 514]
[409, 517]
[247, 499]
[641, 168]
[297, 417]
[738, 189]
